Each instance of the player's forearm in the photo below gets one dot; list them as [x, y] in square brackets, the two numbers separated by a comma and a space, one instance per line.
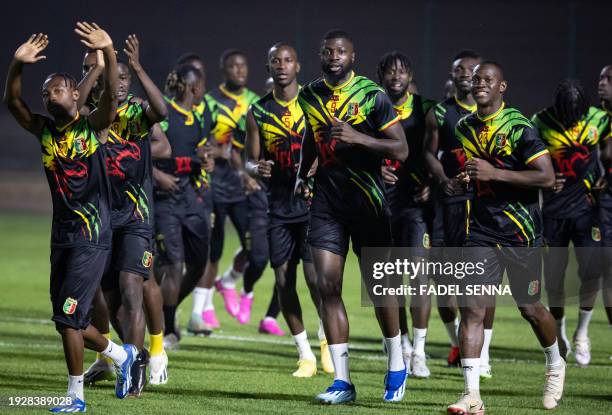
[12, 90]
[391, 148]
[540, 179]
[308, 155]
[157, 105]
[87, 84]
[435, 167]
[108, 100]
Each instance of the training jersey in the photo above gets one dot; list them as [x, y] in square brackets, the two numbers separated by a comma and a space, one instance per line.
[281, 127]
[452, 157]
[574, 153]
[229, 114]
[74, 163]
[607, 194]
[501, 213]
[128, 165]
[348, 183]
[413, 173]
[184, 132]
[204, 114]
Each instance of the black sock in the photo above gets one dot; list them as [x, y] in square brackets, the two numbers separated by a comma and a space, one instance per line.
[169, 313]
[274, 307]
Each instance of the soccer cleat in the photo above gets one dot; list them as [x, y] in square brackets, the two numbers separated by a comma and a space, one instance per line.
[468, 404]
[326, 360]
[244, 313]
[100, 370]
[582, 351]
[553, 387]
[124, 371]
[230, 299]
[139, 374]
[75, 405]
[171, 342]
[454, 357]
[486, 372]
[418, 366]
[197, 325]
[158, 369]
[210, 318]
[269, 325]
[338, 393]
[306, 368]
[395, 385]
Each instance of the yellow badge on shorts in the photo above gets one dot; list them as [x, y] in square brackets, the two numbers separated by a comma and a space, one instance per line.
[426, 242]
[534, 287]
[147, 258]
[70, 305]
[596, 234]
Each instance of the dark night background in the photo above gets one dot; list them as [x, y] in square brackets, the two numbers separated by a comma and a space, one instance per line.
[538, 42]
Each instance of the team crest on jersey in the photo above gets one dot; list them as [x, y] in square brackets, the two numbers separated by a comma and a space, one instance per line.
[70, 306]
[534, 287]
[596, 234]
[426, 241]
[353, 109]
[501, 140]
[592, 134]
[147, 259]
[80, 145]
[134, 128]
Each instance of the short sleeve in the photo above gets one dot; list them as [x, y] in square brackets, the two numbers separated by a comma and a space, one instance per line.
[384, 114]
[531, 146]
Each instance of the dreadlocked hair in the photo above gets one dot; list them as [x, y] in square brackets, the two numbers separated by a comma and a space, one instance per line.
[571, 102]
[390, 58]
[69, 80]
[177, 80]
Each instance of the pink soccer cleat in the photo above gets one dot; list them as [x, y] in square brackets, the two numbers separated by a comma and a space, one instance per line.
[246, 303]
[269, 325]
[210, 318]
[230, 299]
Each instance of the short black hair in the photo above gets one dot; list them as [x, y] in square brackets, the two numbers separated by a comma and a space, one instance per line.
[69, 80]
[279, 45]
[228, 53]
[122, 62]
[571, 102]
[188, 57]
[467, 53]
[389, 59]
[177, 79]
[493, 63]
[337, 34]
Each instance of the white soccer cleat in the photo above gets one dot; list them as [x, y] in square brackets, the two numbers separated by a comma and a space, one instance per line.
[553, 387]
[197, 325]
[582, 351]
[100, 370]
[418, 366]
[171, 342]
[468, 404]
[486, 372]
[158, 366]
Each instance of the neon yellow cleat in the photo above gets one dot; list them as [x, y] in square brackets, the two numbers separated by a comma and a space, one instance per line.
[306, 369]
[326, 361]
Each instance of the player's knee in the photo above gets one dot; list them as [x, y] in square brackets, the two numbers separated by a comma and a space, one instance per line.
[328, 289]
[532, 312]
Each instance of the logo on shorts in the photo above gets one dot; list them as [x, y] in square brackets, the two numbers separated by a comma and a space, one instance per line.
[147, 258]
[596, 234]
[534, 287]
[70, 305]
[353, 109]
[80, 145]
[426, 242]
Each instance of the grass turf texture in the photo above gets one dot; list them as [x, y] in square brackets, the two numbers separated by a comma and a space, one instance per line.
[240, 371]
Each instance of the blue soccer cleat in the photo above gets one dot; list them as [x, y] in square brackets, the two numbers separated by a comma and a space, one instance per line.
[124, 372]
[76, 405]
[338, 393]
[395, 385]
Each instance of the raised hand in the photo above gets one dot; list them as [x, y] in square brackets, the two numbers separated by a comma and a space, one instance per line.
[93, 36]
[28, 52]
[132, 50]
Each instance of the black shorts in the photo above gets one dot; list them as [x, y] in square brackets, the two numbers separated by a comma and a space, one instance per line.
[582, 230]
[238, 213]
[454, 223]
[256, 237]
[132, 252]
[411, 227]
[288, 243]
[76, 273]
[437, 225]
[605, 221]
[332, 234]
[523, 266]
[180, 236]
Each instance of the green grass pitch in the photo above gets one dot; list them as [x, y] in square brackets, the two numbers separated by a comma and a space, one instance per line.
[238, 370]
